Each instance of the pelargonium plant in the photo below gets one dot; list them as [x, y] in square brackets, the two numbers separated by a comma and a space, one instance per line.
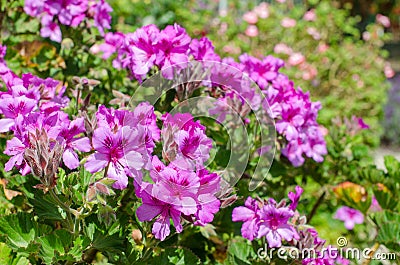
[160, 174]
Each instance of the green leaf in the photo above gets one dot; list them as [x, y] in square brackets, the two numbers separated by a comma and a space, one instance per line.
[44, 208]
[178, 256]
[55, 245]
[388, 224]
[392, 167]
[5, 254]
[80, 244]
[112, 243]
[240, 252]
[385, 198]
[20, 230]
[20, 260]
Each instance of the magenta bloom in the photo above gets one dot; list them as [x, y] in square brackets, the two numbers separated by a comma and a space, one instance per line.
[360, 122]
[34, 7]
[207, 203]
[173, 194]
[295, 197]
[116, 152]
[185, 141]
[349, 216]
[66, 137]
[203, 50]
[110, 117]
[153, 207]
[172, 47]
[50, 29]
[142, 53]
[261, 71]
[250, 215]
[12, 107]
[274, 225]
[15, 149]
[179, 188]
[69, 12]
[102, 18]
[176, 193]
[113, 42]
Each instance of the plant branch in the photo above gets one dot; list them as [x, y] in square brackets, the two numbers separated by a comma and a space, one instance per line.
[315, 207]
[68, 210]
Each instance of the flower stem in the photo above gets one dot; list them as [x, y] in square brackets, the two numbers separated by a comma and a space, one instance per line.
[316, 205]
[65, 208]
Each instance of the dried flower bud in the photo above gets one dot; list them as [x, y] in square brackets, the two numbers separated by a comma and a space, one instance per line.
[76, 80]
[44, 160]
[91, 193]
[303, 220]
[282, 203]
[228, 201]
[101, 188]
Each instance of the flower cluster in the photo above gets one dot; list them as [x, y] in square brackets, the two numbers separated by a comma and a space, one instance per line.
[123, 143]
[278, 222]
[294, 112]
[269, 219]
[32, 105]
[170, 49]
[70, 13]
[150, 47]
[183, 188]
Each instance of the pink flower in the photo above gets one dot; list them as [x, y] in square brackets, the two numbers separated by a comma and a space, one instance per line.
[322, 47]
[34, 7]
[388, 70]
[50, 29]
[139, 53]
[11, 108]
[120, 153]
[296, 58]
[366, 36]
[203, 49]
[282, 48]
[262, 10]
[177, 192]
[274, 225]
[310, 15]
[185, 141]
[152, 207]
[295, 197]
[383, 20]
[359, 122]
[252, 31]
[207, 203]
[172, 47]
[349, 216]
[250, 17]
[67, 138]
[314, 33]
[288, 22]
[113, 41]
[250, 215]
[102, 18]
